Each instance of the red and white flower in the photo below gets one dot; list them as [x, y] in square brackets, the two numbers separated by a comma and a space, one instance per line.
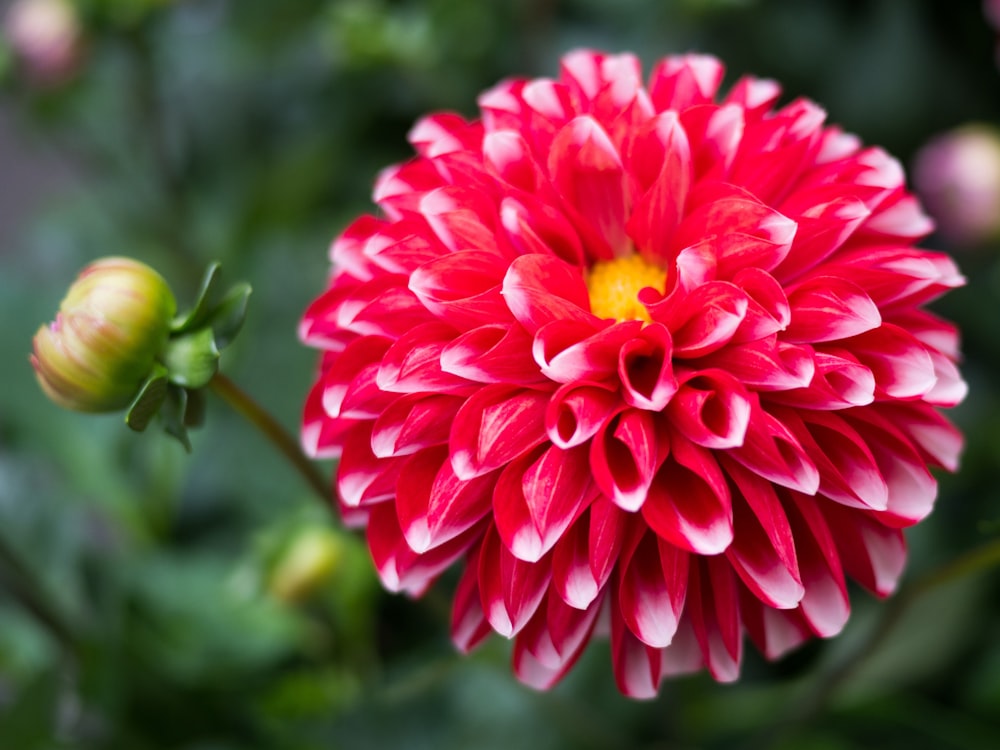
[645, 358]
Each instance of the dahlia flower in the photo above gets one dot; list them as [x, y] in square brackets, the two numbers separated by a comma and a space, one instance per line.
[646, 359]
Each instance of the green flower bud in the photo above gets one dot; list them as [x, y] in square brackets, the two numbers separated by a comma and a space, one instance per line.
[111, 327]
[312, 558]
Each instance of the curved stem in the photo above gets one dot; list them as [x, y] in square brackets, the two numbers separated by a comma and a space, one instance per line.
[24, 587]
[287, 445]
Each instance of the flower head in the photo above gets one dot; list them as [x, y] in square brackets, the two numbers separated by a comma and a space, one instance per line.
[112, 325]
[647, 359]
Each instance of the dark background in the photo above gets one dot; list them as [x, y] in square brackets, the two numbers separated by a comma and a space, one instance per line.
[250, 132]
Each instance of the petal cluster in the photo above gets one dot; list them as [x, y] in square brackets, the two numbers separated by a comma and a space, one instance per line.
[708, 464]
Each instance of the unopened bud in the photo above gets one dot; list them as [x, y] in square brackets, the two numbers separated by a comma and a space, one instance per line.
[311, 559]
[958, 176]
[46, 38]
[111, 327]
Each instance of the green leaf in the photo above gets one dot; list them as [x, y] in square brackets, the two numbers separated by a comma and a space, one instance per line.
[148, 401]
[193, 359]
[174, 409]
[199, 313]
[228, 316]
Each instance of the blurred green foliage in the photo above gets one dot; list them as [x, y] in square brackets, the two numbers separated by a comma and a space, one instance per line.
[249, 132]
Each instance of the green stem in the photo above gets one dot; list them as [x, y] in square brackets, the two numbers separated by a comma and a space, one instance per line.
[27, 590]
[287, 445]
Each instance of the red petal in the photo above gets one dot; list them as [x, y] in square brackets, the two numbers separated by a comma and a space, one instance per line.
[433, 505]
[551, 642]
[537, 498]
[872, 554]
[398, 566]
[533, 226]
[660, 158]
[772, 451]
[902, 365]
[582, 561]
[826, 308]
[586, 169]
[684, 81]
[412, 422]
[763, 552]
[511, 589]
[825, 605]
[469, 626]
[413, 363]
[689, 503]
[539, 289]
[652, 589]
[495, 425]
[714, 611]
[492, 354]
[462, 287]
[638, 668]
[568, 352]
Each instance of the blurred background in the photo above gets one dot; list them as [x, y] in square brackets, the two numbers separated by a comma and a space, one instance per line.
[204, 601]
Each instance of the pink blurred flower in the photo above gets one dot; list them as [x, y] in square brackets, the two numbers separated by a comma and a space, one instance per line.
[46, 38]
[958, 176]
[650, 361]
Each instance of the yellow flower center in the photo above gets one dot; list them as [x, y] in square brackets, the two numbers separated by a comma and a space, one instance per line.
[614, 287]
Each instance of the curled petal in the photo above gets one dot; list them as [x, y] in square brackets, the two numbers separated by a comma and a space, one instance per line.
[937, 439]
[568, 352]
[766, 365]
[624, 455]
[413, 362]
[577, 410]
[705, 320]
[645, 369]
[903, 366]
[840, 382]
[711, 409]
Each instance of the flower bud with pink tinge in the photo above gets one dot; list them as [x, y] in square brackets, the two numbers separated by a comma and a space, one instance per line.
[111, 327]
